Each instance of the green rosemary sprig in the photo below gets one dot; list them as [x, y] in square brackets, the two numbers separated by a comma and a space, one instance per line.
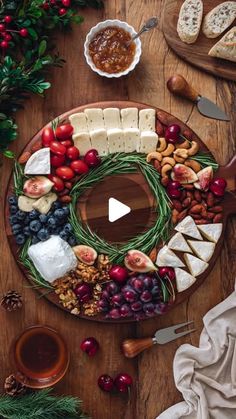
[18, 177]
[205, 159]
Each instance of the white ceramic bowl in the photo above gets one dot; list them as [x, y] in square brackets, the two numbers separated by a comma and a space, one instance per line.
[98, 28]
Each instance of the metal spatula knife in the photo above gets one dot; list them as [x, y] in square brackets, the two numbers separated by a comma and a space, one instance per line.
[180, 87]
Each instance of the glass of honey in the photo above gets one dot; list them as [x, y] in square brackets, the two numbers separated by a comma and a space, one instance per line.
[40, 356]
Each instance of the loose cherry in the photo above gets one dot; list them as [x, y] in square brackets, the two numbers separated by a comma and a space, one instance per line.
[174, 189]
[90, 346]
[83, 292]
[166, 271]
[123, 382]
[106, 383]
[92, 158]
[172, 134]
[217, 186]
[119, 274]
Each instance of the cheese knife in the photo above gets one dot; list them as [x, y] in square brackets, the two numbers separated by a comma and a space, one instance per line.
[180, 87]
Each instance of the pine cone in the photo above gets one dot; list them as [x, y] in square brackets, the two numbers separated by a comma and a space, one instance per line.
[13, 387]
[11, 301]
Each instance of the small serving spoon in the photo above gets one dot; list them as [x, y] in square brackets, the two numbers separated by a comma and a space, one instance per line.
[150, 24]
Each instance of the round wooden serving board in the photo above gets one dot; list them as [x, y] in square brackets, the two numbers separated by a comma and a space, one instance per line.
[197, 53]
[229, 203]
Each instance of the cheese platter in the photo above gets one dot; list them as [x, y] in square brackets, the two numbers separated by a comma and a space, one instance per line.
[189, 196]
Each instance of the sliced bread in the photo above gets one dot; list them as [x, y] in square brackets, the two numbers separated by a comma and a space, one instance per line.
[226, 47]
[190, 19]
[219, 19]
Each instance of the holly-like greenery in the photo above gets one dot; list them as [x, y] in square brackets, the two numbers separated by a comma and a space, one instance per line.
[26, 60]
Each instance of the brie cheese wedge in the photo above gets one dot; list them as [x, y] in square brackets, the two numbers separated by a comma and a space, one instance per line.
[39, 163]
[99, 141]
[187, 226]
[52, 258]
[112, 118]
[195, 265]
[211, 231]
[132, 139]
[82, 142]
[129, 118]
[79, 122]
[166, 257]
[178, 242]
[116, 141]
[148, 142]
[204, 250]
[94, 118]
[183, 279]
[147, 120]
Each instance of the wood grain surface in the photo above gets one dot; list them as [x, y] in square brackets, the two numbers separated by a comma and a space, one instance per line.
[197, 53]
[75, 84]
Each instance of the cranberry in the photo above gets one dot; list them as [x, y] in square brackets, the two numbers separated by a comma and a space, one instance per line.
[92, 158]
[62, 11]
[167, 272]
[123, 382]
[2, 27]
[106, 383]
[66, 3]
[90, 346]
[118, 274]
[7, 37]
[83, 292]
[8, 19]
[4, 45]
[46, 6]
[172, 133]
[24, 32]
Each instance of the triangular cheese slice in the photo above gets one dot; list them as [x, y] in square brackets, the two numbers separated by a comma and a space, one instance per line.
[211, 231]
[39, 163]
[166, 257]
[204, 250]
[178, 242]
[195, 265]
[187, 226]
[183, 279]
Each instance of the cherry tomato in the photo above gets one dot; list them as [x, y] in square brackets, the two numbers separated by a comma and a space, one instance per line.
[72, 153]
[47, 136]
[58, 183]
[79, 166]
[63, 132]
[57, 161]
[57, 148]
[67, 143]
[64, 172]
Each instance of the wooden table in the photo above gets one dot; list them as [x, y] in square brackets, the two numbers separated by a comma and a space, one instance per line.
[75, 84]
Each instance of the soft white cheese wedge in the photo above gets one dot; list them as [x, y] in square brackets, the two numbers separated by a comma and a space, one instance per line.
[183, 279]
[211, 231]
[204, 250]
[39, 163]
[178, 242]
[79, 122]
[99, 141]
[94, 118]
[148, 142]
[82, 142]
[166, 257]
[187, 226]
[147, 120]
[52, 258]
[44, 203]
[195, 265]
[129, 118]
[132, 139]
[112, 118]
[116, 140]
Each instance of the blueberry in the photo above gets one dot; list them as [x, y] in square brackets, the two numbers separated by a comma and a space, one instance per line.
[27, 220]
[68, 228]
[35, 226]
[72, 241]
[43, 218]
[13, 219]
[66, 210]
[33, 214]
[21, 215]
[57, 230]
[20, 239]
[16, 228]
[35, 240]
[27, 231]
[56, 205]
[13, 209]
[50, 214]
[51, 222]
[59, 213]
[12, 200]
[43, 234]
[63, 235]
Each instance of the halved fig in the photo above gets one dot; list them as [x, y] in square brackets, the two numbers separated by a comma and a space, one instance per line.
[37, 186]
[85, 254]
[183, 174]
[138, 262]
[204, 178]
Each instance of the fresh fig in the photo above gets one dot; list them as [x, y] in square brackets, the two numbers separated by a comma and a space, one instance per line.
[204, 179]
[85, 254]
[138, 262]
[37, 186]
[183, 174]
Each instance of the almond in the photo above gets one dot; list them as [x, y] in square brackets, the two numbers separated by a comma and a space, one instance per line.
[216, 209]
[202, 221]
[165, 180]
[209, 215]
[218, 218]
[196, 216]
[183, 195]
[153, 254]
[64, 192]
[24, 157]
[210, 199]
[187, 133]
[196, 209]
[174, 217]
[66, 199]
[182, 214]
[193, 203]
[157, 165]
[177, 205]
[189, 187]
[37, 146]
[186, 202]
[190, 195]
[198, 196]
[159, 128]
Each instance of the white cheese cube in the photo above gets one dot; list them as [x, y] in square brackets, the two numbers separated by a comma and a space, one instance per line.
[79, 122]
[132, 139]
[148, 142]
[82, 142]
[52, 258]
[129, 118]
[99, 141]
[112, 118]
[147, 120]
[94, 118]
[39, 163]
[116, 141]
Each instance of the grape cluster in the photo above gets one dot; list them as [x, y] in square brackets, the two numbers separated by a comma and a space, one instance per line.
[140, 297]
[40, 226]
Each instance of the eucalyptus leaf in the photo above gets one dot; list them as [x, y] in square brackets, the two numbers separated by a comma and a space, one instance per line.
[42, 47]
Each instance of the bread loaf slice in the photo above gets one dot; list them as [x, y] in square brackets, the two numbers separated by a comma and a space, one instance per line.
[226, 47]
[190, 19]
[219, 19]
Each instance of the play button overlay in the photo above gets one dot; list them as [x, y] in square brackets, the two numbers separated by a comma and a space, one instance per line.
[117, 210]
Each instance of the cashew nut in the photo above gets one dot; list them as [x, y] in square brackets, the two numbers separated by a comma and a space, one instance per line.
[168, 160]
[181, 152]
[154, 155]
[193, 149]
[165, 169]
[162, 144]
[169, 150]
[179, 159]
[193, 164]
[185, 144]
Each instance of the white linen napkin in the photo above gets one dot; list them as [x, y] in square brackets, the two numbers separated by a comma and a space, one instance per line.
[206, 376]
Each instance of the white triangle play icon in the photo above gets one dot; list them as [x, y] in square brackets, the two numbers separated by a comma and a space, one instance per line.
[116, 210]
